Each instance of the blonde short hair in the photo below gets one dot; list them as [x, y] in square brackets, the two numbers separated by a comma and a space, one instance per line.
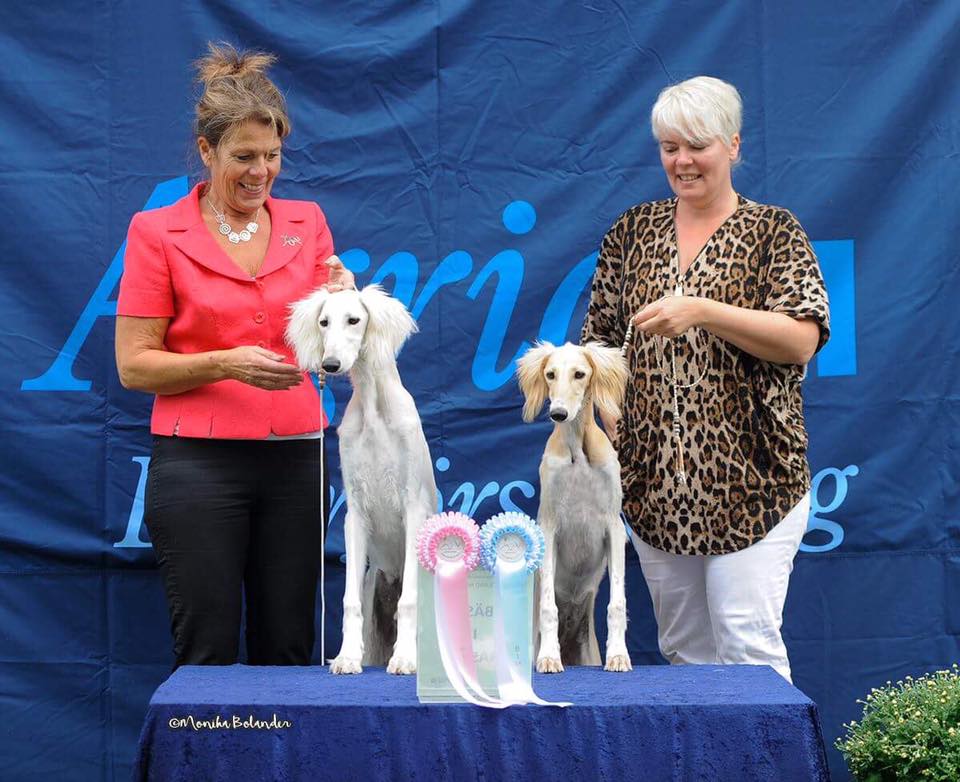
[699, 109]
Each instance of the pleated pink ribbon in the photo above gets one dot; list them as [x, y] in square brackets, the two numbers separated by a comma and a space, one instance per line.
[448, 545]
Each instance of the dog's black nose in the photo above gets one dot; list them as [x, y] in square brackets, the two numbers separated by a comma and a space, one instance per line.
[558, 415]
[330, 365]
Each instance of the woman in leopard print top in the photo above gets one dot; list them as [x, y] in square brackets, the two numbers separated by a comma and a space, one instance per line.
[728, 305]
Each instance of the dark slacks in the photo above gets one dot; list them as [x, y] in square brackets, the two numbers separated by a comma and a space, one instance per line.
[236, 521]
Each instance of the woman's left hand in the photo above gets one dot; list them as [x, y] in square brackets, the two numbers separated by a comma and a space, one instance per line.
[341, 277]
[670, 316]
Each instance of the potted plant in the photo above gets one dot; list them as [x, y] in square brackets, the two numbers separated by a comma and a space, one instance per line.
[909, 732]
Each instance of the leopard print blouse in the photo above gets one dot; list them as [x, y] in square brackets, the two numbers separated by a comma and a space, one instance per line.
[741, 419]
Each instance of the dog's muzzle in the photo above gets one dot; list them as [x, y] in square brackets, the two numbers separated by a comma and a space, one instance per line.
[330, 365]
[558, 414]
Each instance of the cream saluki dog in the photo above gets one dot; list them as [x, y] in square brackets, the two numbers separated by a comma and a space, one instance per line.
[579, 502]
[386, 468]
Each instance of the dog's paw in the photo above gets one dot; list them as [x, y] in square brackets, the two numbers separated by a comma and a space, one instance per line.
[401, 665]
[549, 665]
[618, 663]
[346, 665]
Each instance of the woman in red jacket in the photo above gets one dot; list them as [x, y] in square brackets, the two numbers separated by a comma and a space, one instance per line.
[233, 495]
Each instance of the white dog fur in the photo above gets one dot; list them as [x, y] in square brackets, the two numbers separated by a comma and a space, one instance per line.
[580, 499]
[386, 468]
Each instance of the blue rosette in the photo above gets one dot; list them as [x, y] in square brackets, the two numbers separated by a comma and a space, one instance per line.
[512, 548]
[510, 537]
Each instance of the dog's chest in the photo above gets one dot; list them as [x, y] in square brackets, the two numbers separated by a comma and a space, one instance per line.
[385, 466]
[582, 499]
[375, 477]
[579, 490]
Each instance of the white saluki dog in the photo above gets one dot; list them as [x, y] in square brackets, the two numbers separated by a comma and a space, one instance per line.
[579, 502]
[386, 467]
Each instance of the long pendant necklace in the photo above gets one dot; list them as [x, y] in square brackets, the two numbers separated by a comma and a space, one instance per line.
[235, 237]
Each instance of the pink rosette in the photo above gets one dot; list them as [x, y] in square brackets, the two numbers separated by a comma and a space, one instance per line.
[448, 545]
[434, 542]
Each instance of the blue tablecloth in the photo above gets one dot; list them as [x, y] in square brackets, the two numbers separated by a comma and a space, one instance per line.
[711, 723]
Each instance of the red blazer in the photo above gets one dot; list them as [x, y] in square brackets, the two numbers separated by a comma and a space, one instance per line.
[174, 268]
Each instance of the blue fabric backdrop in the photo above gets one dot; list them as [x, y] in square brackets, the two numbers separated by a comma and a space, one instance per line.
[470, 155]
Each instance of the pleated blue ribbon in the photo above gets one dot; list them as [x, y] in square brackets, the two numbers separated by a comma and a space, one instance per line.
[512, 548]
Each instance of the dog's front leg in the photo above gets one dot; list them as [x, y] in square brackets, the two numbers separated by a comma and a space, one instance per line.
[617, 657]
[404, 659]
[548, 656]
[355, 542]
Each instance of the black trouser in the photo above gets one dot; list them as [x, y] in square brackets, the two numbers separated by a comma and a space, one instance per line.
[232, 519]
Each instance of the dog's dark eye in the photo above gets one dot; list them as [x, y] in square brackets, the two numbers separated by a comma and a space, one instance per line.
[550, 375]
[324, 322]
[579, 375]
[353, 321]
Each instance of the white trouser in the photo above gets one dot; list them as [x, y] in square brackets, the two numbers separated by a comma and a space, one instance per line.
[725, 608]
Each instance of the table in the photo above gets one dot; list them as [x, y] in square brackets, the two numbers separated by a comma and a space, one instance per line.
[670, 723]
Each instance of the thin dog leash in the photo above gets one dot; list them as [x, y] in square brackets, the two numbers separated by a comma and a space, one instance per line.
[675, 387]
[321, 382]
[627, 339]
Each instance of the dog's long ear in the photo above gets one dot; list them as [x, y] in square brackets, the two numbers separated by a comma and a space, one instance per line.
[389, 324]
[530, 377]
[303, 330]
[608, 384]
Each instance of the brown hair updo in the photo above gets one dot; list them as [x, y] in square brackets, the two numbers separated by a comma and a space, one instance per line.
[236, 89]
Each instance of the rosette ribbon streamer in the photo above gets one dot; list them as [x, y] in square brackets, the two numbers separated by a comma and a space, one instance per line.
[448, 545]
[511, 548]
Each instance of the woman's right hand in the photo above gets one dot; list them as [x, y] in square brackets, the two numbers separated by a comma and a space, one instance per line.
[260, 368]
[341, 278]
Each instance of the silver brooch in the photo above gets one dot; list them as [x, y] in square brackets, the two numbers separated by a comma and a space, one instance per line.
[290, 241]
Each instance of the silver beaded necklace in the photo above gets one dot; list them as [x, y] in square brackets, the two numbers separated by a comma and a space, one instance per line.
[235, 237]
